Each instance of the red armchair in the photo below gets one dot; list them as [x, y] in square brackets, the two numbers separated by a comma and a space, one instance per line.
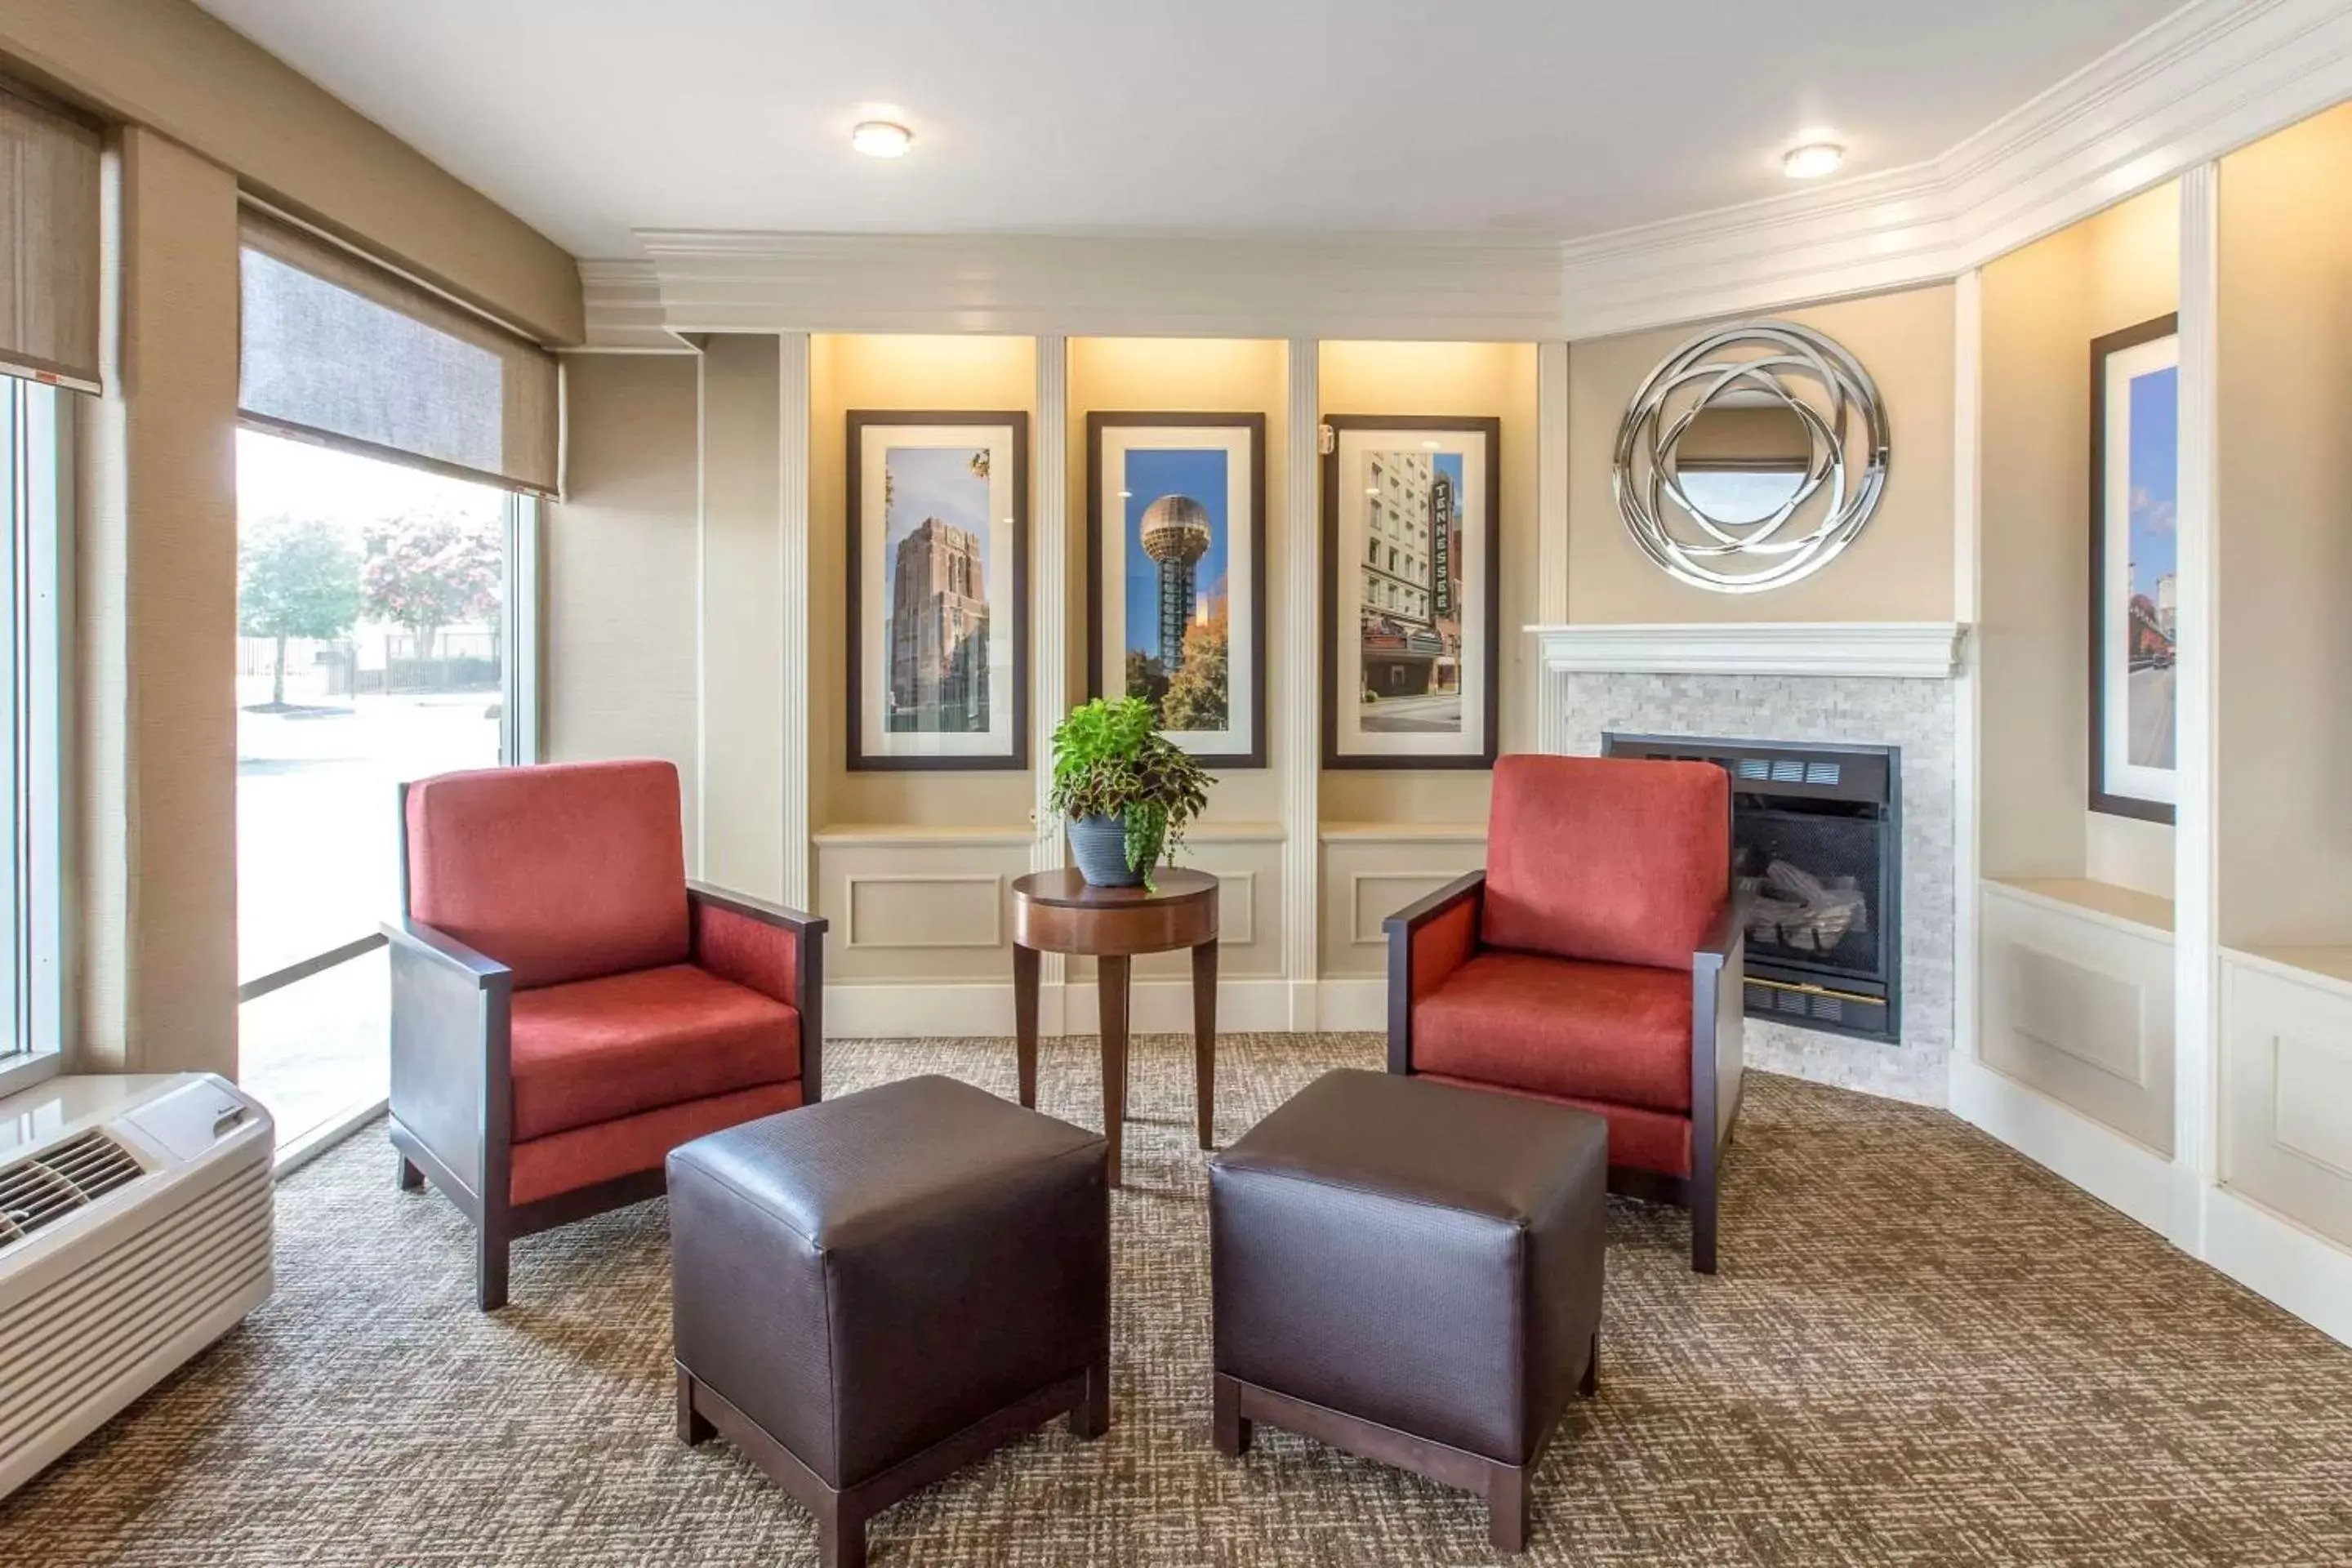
[567, 1007]
[1596, 962]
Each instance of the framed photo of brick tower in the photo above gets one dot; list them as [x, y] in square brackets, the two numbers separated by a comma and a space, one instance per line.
[1411, 575]
[1176, 573]
[938, 590]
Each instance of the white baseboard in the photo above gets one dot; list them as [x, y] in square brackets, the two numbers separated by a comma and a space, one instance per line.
[1357, 1006]
[2105, 1163]
[2301, 1271]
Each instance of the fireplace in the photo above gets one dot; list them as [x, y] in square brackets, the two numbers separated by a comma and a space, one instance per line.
[1816, 858]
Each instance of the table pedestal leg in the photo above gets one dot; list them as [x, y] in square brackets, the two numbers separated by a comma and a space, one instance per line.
[1024, 1021]
[1204, 1040]
[1111, 988]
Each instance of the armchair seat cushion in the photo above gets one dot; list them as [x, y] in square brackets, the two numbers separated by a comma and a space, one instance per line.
[1614, 1033]
[598, 1051]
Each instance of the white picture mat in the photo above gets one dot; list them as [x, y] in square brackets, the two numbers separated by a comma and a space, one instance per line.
[874, 573]
[1241, 572]
[2123, 776]
[1356, 447]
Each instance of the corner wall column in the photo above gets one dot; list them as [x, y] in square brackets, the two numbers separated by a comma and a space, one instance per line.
[1967, 457]
[1551, 528]
[793, 610]
[157, 579]
[1300, 746]
[2197, 1023]
[1049, 622]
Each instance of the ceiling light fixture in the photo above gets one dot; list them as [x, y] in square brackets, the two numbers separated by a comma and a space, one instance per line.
[1813, 160]
[881, 138]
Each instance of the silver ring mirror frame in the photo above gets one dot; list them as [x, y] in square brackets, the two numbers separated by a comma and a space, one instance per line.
[1647, 432]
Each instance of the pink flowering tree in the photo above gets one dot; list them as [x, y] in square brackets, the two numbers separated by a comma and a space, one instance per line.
[426, 571]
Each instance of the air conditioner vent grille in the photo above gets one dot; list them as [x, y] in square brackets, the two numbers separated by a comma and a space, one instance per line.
[54, 1183]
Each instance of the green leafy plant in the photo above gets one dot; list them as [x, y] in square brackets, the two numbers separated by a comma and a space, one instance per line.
[1110, 760]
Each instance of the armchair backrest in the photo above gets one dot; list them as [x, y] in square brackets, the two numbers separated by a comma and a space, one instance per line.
[560, 872]
[1610, 860]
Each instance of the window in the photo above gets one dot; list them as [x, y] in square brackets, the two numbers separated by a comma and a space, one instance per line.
[31, 744]
[378, 642]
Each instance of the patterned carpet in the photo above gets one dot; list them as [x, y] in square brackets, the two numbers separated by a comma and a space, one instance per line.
[1922, 1350]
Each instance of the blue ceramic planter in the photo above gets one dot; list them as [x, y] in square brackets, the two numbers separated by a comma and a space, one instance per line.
[1099, 844]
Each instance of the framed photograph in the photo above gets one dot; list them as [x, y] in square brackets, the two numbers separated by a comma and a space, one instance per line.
[2135, 589]
[1411, 567]
[938, 590]
[1176, 575]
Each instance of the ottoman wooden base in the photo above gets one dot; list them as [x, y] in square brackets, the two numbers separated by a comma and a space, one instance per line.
[841, 1515]
[1239, 1406]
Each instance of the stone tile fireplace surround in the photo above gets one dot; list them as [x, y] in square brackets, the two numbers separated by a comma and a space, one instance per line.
[1877, 685]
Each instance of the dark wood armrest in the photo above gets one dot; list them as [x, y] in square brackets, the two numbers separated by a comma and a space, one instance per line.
[777, 952]
[754, 909]
[1429, 939]
[451, 1014]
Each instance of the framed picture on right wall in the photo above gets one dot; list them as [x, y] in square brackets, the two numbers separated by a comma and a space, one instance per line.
[2135, 569]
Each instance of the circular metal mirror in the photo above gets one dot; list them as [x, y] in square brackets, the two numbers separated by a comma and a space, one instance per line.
[1752, 457]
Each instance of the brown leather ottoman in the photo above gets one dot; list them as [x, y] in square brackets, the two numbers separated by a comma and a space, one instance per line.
[871, 1292]
[1411, 1271]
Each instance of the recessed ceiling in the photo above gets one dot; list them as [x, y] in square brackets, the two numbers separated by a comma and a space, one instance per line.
[1564, 118]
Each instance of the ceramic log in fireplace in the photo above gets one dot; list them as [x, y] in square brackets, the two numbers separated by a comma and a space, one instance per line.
[1816, 861]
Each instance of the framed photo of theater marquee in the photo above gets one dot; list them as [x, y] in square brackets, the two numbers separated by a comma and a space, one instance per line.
[1176, 575]
[1411, 568]
[938, 590]
[2135, 494]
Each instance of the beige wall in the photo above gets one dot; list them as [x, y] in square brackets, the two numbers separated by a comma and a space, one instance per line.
[742, 643]
[1488, 380]
[1188, 375]
[2042, 307]
[167, 65]
[619, 574]
[157, 579]
[905, 372]
[2284, 537]
[1900, 569]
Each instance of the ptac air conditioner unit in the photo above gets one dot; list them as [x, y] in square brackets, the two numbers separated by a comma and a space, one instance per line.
[134, 1231]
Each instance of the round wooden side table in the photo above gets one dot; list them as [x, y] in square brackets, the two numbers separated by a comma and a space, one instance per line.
[1059, 912]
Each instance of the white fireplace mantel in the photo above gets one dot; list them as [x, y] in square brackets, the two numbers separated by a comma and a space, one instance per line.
[1910, 651]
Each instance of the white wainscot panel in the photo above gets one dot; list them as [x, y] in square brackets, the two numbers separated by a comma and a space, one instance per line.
[2286, 1091]
[2079, 1006]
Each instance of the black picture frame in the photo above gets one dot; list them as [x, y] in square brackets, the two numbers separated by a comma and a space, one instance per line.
[860, 421]
[1488, 584]
[2103, 794]
[1097, 423]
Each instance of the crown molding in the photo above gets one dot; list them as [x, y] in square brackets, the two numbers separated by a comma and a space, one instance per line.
[2211, 77]
[1902, 650]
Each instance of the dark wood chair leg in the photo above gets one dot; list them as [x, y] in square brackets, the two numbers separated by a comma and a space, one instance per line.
[1204, 1041]
[1507, 1508]
[1590, 1384]
[840, 1535]
[409, 1177]
[692, 1428]
[1231, 1429]
[1024, 1021]
[489, 1268]
[1090, 1418]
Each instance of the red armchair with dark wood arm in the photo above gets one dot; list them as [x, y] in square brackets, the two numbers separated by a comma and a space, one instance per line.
[567, 1008]
[1596, 962]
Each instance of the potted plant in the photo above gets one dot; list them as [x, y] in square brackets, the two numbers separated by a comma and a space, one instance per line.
[1126, 791]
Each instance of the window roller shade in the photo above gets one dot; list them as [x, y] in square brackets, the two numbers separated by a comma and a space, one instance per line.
[343, 352]
[49, 245]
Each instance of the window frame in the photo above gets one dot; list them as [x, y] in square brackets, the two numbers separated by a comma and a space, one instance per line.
[39, 420]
